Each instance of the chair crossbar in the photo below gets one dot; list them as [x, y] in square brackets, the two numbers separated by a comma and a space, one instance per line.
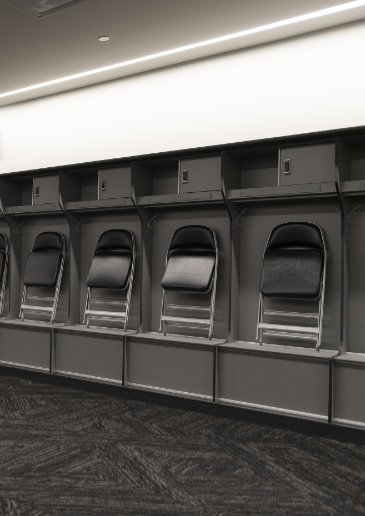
[281, 313]
[302, 329]
[187, 307]
[35, 308]
[103, 313]
[290, 335]
[187, 320]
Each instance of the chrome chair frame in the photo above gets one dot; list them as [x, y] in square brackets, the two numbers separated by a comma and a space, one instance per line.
[305, 333]
[24, 307]
[105, 315]
[190, 322]
[4, 277]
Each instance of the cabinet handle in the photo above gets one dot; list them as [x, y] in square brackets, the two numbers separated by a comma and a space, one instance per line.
[287, 167]
[103, 184]
[185, 176]
[36, 191]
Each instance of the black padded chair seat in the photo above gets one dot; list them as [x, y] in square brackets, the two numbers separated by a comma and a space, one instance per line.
[292, 273]
[42, 268]
[110, 270]
[189, 272]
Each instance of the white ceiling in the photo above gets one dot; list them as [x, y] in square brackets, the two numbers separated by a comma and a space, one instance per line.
[35, 50]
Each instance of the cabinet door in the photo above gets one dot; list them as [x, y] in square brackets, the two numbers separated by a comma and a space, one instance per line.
[45, 190]
[307, 164]
[114, 183]
[200, 175]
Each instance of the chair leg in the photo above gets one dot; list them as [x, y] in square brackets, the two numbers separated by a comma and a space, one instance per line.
[259, 320]
[24, 296]
[57, 292]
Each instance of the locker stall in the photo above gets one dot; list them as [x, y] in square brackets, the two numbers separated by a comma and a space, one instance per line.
[349, 367]
[182, 362]
[31, 207]
[285, 373]
[98, 201]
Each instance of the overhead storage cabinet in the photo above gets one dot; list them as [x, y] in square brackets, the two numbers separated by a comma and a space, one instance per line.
[307, 164]
[45, 189]
[114, 183]
[200, 175]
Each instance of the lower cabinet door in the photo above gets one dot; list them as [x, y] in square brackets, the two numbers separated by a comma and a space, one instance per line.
[290, 385]
[96, 357]
[25, 347]
[170, 367]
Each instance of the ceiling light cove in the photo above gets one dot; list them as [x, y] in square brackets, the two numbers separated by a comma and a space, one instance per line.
[314, 20]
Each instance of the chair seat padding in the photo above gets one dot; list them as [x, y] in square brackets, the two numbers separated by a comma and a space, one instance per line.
[292, 273]
[189, 273]
[110, 270]
[42, 268]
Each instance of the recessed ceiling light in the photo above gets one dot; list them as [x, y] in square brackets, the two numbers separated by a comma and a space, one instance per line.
[185, 48]
[104, 38]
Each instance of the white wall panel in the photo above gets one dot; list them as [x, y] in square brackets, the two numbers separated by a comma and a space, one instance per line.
[304, 84]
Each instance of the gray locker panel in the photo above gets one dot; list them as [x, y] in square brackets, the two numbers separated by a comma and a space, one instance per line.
[356, 256]
[288, 384]
[307, 164]
[89, 355]
[349, 393]
[173, 367]
[114, 183]
[25, 347]
[46, 190]
[200, 175]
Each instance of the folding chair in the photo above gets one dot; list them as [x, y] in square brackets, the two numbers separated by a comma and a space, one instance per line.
[112, 269]
[294, 268]
[191, 267]
[44, 272]
[4, 252]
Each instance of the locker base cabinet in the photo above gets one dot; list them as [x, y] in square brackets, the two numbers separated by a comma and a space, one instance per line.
[349, 390]
[290, 381]
[25, 345]
[182, 366]
[91, 353]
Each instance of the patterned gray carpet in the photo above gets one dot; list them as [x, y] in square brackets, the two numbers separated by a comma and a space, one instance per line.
[67, 451]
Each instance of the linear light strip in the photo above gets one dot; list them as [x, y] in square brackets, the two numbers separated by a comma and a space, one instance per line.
[247, 32]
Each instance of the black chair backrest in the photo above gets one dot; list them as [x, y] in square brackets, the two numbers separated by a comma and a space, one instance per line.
[115, 241]
[111, 265]
[44, 261]
[304, 235]
[293, 262]
[193, 239]
[191, 260]
[48, 241]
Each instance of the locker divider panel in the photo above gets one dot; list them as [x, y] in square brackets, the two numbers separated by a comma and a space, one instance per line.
[348, 391]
